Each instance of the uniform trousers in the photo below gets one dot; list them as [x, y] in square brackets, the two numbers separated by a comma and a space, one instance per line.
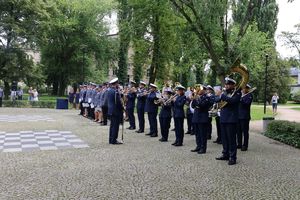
[114, 128]
[104, 113]
[141, 118]
[243, 132]
[189, 118]
[179, 129]
[153, 122]
[228, 132]
[131, 117]
[164, 127]
[218, 125]
[200, 130]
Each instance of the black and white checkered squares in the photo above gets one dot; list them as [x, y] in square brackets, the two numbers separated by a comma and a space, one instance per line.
[45, 140]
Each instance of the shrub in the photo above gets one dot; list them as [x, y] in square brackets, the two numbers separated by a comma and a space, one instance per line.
[284, 131]
[296, 97]
[29, 104]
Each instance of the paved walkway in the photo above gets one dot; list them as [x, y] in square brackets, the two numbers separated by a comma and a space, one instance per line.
[142, 168]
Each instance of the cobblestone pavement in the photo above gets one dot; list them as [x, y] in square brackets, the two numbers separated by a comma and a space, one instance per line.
[142, 168]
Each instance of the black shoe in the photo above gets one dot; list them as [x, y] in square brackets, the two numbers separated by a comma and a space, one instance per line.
[220, 142]
[173, 129]
[153, 135]
[231, 162]
[117, 142]
[209, 138]
[163, 140]
[222, 158]
[177, 145]
[139, 131]
[216, 141]
[239, 146]
[244, 148]
[201, 151]
[174, 143]
[195, 150]
[148, 134]
[192, 133]
[189, 132]
[132, 128]
[103, 124]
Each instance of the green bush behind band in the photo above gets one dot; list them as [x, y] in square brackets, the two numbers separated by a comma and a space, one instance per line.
[29, 104]
[284, 131]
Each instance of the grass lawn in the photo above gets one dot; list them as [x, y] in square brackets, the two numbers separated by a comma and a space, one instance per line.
[296, 109]
[257, 112]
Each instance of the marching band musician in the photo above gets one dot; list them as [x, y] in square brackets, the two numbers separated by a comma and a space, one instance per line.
[140, 106]
[229, 120]
[244, 118]
[201, 104]
[151, 108]
[115, 111]
[165, 114]
[210, 94]
[130, 104]
[189, 113]
[179, 102]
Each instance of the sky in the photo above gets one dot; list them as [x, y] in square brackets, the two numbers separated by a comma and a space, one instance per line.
[288, 16]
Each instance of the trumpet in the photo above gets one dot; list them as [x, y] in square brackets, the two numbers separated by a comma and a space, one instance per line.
[170, 99]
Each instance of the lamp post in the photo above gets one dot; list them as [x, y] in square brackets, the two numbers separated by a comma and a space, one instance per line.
[266, 76]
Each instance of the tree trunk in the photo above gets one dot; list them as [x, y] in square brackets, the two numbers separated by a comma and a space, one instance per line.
[6, 90]
[155, 64]
[55, 88]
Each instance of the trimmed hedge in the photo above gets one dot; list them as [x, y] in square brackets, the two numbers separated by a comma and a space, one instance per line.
[29, 104]
[284, 131]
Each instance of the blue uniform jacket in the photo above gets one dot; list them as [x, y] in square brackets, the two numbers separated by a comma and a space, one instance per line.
[178, 106]
[201, 106]
[244, 106]
[166, 111]
[151, 107]
[141, 99]
[115, 107]
[230, 112]
[130, 101]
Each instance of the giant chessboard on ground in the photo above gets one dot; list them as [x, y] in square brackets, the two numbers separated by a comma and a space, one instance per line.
[45, 140]
[24, 118]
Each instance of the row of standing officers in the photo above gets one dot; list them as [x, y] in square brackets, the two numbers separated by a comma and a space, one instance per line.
[232, 120]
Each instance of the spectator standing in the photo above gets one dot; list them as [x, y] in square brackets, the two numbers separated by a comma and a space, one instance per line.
[77, 96]
[274, 100]
[35, 95]
[20, 94]
[30, 93]
[1, 95]
[72, 97]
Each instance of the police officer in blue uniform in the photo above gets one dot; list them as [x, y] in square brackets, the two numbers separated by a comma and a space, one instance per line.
[229, 120]
[104, 103]
[131, 96]
[140, 106]
[115, 111]
[152, 110]
[244, 118]
[179, 102]
[165, 114]
[201, 104]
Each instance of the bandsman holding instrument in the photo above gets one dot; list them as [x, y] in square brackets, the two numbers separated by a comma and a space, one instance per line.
[130, 104]
[201, 104]
[179, 102]
[152, 110]
[140, 106]
[165, 114]
[229, 119]
[115, 111]
[189, 112]
[244, 118]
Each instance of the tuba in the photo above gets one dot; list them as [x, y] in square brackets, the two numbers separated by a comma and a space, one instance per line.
[241, 69]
